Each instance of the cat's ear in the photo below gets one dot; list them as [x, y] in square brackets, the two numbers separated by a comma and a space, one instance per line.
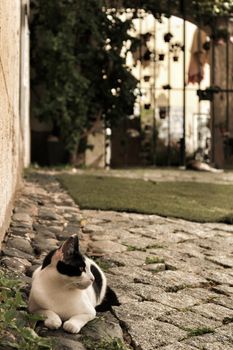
[57, 256]
[70, 246]
[66, 250]
[76, 243]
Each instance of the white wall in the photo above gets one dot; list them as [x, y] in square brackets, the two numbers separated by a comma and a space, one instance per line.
[11, 129]
[25, 82]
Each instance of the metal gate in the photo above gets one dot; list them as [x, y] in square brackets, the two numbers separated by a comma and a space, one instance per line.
[175, 113]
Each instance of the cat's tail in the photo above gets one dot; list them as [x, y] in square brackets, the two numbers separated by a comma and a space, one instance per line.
[109, 300]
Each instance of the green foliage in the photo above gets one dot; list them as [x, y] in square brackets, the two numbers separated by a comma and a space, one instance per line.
[193, 332]
[132, 248]
[202, 12]
[16, 324]
[213, 7]
[76, 63]
[108, 344]
[153, 260]
[205, 8]
[103, 264]
[79, 74]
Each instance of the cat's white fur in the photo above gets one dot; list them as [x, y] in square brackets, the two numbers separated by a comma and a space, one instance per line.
[60, 298]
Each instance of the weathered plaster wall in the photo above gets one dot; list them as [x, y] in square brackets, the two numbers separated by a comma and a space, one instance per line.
[222, 106]
[25, 81]
[11, 146]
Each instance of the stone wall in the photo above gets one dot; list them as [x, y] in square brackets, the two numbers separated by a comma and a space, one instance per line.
[12, 123]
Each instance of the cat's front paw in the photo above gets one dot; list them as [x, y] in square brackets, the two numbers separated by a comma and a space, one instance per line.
[71, 327]
[53, 322]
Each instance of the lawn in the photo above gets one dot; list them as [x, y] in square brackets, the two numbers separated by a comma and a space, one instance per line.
[194, 201]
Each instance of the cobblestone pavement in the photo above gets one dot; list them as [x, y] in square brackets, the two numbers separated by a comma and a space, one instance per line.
[174, 278]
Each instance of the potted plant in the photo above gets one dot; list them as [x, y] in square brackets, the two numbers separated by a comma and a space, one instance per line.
[147, 55]
[161, 56]
[162, 112]
[167, 37]
[176, 48]
[167, 87]
[146, 78]
[147, 105]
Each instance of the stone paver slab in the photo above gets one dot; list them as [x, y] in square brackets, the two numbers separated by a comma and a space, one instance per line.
[213, 311]
[187, 320]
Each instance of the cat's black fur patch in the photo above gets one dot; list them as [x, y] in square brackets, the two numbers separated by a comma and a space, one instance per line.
[109, 300]
[98, 282]
[48, 258]
[70, 267]
[76, 259]
[69, 270]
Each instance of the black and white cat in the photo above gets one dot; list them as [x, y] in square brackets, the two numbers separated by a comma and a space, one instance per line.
[69, 287]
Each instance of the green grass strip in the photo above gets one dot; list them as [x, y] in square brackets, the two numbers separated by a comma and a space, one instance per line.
[201, 202]
[199, 331]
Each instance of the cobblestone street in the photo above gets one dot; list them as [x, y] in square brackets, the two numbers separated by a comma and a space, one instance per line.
[174, 278]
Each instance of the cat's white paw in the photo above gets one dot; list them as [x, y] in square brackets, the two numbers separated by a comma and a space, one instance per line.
[71, 327]
[53, 322]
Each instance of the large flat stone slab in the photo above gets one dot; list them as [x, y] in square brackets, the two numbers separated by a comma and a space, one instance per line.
[140, 319]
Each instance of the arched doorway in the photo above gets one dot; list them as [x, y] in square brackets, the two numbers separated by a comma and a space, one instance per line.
[217, 121]
[171, 65]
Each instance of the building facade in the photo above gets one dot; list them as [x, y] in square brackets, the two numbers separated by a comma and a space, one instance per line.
[14, 102]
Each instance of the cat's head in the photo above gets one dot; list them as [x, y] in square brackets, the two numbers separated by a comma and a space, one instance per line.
[70, 265]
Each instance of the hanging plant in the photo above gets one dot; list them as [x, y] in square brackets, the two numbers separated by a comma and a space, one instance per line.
[176, 48]
[146, 78]
[147, 105]
[161, 56]
[167, 37]
[146, 37]
[147, 55]
[167, 87]
[162, 112]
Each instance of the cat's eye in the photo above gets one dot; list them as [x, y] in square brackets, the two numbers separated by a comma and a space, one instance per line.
[82, 269]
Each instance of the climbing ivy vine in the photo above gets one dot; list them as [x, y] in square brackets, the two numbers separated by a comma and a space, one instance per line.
[198, 9]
